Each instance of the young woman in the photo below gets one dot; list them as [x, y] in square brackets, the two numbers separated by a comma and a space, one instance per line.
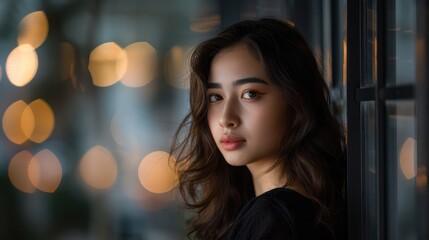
[260, 155]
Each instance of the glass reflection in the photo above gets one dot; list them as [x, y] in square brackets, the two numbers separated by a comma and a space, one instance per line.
[401, 42]
[401, 171]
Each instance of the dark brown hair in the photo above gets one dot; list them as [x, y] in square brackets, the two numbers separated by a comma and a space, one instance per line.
[312, 152]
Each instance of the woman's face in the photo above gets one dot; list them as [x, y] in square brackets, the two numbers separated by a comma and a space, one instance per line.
[248, 115]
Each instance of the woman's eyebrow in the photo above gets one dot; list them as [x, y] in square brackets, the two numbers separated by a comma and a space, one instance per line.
[239, 82]
[249, 80]
[214, 85]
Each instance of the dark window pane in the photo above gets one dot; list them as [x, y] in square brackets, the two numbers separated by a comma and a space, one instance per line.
[401, 42]
[370, 51]
[370, 171]
[401, 171]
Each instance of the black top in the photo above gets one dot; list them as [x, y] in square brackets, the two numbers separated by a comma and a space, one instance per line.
[280, 213]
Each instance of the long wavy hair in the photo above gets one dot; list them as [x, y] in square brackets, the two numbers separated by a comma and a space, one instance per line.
[312, 152]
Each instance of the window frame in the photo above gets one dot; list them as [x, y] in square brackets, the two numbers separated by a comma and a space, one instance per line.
[380, 93]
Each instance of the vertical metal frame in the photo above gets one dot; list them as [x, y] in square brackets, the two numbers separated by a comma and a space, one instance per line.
[356, 35]
[335, 43]
[422, 116]
[357, 54]
[380, 117]
[354, 164]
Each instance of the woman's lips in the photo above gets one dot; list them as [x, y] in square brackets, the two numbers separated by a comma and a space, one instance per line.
[230, 142]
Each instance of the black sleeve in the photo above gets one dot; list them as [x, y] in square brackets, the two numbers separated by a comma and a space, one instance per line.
[261, 221]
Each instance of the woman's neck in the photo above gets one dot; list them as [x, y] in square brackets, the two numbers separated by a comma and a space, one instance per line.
[264, 180]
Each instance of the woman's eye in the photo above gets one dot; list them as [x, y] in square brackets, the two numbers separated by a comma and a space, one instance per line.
[250, 95]
[214, 98]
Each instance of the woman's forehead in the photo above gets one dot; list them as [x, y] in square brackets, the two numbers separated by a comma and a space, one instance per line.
[234, 63]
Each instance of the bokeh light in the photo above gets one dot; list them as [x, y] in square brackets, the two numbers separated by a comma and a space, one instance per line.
[142, 64]
[27, 122]
[34, 121]
[45, 171]
[156, 172]
[33, 29]
[147, 200]
[44, 120]
[18, 172]
[175, 67]
[21, 65]
[107, 64]
[98, 168]
[407, 158]
[13, 122]
[422, 178]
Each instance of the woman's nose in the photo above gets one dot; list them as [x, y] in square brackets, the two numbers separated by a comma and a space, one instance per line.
[230, 117]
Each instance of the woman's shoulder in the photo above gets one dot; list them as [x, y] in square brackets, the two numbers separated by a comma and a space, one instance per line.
[281, 201]
[287, 205]
[280, 213]
[286, 195]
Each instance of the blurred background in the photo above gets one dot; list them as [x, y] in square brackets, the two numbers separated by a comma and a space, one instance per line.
[91, 93]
